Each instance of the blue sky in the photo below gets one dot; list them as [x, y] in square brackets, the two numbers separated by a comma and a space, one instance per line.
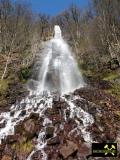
[54, 7]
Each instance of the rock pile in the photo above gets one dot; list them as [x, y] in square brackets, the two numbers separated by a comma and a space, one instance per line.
[58, 133]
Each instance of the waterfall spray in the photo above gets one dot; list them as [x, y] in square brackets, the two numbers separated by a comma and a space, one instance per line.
[59, 71]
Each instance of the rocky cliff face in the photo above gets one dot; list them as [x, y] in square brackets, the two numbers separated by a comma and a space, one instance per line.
[58, 128]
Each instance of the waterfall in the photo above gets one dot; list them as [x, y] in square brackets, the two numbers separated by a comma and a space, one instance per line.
[59, 71]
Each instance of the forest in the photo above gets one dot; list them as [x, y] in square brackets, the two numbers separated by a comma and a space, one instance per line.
[93, 34]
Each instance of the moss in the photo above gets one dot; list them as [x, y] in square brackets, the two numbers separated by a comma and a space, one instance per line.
[110, 76]
[115, 91]
[118, 113]
[3, 86]
[27, 147]
[106, 75]
[24, 147]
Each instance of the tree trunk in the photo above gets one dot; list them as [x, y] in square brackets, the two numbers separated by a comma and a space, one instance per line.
[5, 69]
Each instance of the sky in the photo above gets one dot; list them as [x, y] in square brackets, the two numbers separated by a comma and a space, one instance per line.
[54, 7]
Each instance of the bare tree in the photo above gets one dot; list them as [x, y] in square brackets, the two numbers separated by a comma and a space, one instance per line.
[15, 24]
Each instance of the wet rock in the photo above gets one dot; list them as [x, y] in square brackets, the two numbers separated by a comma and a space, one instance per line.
[49, 132]
[42, 102]
[70, 125]
[23, 113]
[53, 141]
[68, 149]
[37, 156]
[57, 106]
[12, 139]
[34, 116]
[51, 111]
[56, 99]
[68, 96]
[23, 105]
[67, 113]
[56, 119]
[2, 125]
[81, 103]
[29, 126]
[12, 113]
[62, 100]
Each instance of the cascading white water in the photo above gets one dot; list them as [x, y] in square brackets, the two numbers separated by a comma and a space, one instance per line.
[59, 71]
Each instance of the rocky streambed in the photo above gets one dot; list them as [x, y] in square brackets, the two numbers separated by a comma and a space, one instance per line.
[49, 127]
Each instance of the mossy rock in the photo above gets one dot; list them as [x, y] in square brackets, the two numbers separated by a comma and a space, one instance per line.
[23, 147]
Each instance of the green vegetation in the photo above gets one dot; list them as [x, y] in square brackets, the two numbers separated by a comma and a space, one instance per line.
[112, 75]
[3, 89]
[3, 86]
[115, 90]
[24, 147]
[24, 74]
[93, 35]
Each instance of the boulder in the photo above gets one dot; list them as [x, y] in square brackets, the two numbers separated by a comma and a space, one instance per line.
[68, 149]
[12, 113]
[37, 156]
[29, 126]
[51, 111]
[49, 132]
[57, 119]
[34, 116]
[53, 141]
[23, 113]
[12, 139]
[84, 150]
